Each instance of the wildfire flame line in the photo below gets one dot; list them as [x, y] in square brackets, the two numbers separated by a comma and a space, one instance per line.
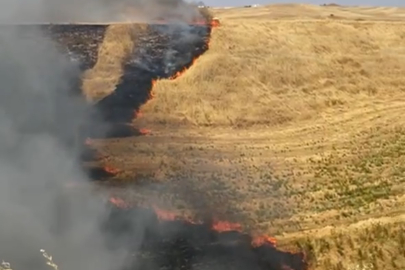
[212, 24]
[111, 170]
[217, 225]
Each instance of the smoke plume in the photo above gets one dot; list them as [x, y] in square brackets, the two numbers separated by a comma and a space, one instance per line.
[39, 118]
[57, 11]
[39, 115]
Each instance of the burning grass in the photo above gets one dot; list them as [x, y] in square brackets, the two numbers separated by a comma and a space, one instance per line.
[317, 149]
[173, 242]
[312, 186]
[292, 71]
[303, 180]
[198, 245]
[161, 50]
[132, 57]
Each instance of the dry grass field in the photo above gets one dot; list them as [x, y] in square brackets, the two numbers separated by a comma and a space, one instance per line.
[292, 124]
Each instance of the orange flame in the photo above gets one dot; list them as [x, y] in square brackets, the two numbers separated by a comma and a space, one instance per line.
[181, 72]
[137, 114]
[261, 240]
[215, 23]
[224, 226]
[219, 226]
[177, 74]
[145, 131]
[111, 170]
[118, 202]
[151, 93]
[164, 215]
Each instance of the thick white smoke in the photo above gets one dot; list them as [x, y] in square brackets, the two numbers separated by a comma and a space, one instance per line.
[38, 115]
[73, 11]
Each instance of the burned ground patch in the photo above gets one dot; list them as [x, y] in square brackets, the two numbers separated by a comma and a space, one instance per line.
[151, 243]
[160, 52]
[180, 244]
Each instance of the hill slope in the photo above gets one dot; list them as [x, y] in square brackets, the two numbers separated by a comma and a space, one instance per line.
[272, 72]
[308, 141]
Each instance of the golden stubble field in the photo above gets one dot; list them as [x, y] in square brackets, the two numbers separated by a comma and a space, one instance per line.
[292, 124]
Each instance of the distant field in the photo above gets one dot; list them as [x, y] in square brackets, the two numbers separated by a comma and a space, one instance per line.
[291, 123]
[303, 11]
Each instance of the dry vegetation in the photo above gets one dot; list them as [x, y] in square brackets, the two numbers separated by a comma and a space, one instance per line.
[277, 71]
[292, 124]
[378, 246]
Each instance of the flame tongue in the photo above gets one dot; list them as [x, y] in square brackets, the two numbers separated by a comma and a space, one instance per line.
[111, 170]
[137, 114]
[262, 240]
[215, 22]
[179, 73]
[217, 225]
[224, 226]
[164, 215]
[209, 24]
[195, 239]
[118, 202]
[145, 131]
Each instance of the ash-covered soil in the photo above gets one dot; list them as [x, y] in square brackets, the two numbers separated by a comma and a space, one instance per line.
[179, 244]
[160, 52]
[151, 243]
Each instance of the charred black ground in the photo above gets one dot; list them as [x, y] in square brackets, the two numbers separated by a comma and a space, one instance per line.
[179, 244]
[152, 243]
[160, 52]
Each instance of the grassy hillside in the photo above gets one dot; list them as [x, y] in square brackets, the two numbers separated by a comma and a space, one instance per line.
[292, 124]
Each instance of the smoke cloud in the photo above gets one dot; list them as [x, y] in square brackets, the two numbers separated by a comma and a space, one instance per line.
[57, 11]
[39, 115]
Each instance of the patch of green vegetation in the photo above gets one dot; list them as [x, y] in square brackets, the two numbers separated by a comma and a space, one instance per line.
[368, 173]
